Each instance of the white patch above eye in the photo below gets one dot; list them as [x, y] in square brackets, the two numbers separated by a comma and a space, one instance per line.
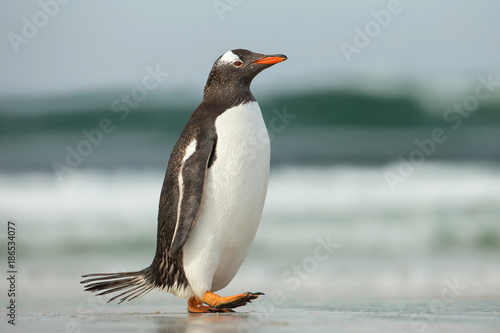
[229, 57]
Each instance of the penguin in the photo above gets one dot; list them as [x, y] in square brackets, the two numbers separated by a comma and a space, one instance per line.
[212, 197]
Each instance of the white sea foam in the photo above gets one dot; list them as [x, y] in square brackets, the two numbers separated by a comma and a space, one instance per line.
[442, 223]
[459, 203]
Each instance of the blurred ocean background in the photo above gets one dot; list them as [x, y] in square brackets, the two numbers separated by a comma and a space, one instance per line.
[328, 181]
[349, 129]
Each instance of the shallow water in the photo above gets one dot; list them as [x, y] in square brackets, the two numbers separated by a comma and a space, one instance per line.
[471, 315]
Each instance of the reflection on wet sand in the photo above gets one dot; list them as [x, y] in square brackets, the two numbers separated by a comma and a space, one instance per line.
[203, 322]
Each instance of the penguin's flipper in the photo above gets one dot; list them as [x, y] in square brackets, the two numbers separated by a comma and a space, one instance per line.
[192, 176]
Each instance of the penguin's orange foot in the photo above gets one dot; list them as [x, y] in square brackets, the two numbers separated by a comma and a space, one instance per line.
[229, 302]
[196, 306]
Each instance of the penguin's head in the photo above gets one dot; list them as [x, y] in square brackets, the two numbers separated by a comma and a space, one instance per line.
[237, 68]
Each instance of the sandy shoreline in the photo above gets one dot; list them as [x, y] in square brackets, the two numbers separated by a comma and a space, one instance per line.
[470, 315]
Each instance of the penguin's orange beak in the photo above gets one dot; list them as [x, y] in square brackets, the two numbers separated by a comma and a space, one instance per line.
[270, 60]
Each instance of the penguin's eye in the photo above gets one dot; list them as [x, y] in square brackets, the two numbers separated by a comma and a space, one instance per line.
[237, 63]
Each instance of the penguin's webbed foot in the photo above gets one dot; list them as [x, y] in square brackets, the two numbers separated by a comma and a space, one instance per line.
[230, 302]
[196, 306]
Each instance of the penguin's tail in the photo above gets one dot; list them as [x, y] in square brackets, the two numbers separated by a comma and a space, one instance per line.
[131, 285]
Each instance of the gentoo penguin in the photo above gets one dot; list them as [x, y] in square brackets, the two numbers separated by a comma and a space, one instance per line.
[212, 197]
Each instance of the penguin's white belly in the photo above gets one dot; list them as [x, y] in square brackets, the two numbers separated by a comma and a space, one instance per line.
[233, 199]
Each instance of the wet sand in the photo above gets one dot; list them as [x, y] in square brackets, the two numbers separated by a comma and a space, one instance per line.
[466, 315]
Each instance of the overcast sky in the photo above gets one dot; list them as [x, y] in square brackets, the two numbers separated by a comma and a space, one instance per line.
[96, 44]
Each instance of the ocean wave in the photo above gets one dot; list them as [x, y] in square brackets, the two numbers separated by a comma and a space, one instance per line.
[442, 207]
[322, 127]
